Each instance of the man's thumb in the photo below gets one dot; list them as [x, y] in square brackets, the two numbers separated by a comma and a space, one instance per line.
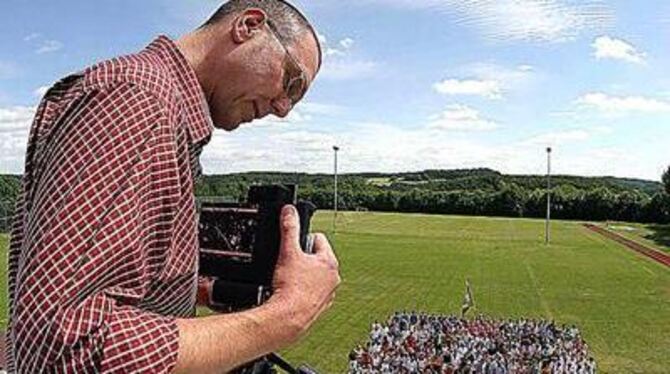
[289, 224]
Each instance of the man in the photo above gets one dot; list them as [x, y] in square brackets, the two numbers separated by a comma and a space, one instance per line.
[103, 255]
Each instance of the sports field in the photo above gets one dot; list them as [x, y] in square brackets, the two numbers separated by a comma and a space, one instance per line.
[401, 261]
[620, 301]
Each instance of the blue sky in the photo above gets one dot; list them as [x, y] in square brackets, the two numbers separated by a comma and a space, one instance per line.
[406, 84]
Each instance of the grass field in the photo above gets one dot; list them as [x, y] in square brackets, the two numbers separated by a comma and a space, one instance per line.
[391, 262]
[399, 261]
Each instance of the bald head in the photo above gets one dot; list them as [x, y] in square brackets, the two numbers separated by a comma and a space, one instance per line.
[290, 24]
[253, 58]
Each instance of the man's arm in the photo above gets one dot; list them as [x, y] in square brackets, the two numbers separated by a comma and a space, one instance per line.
[304, 287]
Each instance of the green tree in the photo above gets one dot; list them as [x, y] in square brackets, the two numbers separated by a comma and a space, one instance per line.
[666, 180]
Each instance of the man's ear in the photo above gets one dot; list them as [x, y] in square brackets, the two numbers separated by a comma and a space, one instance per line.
[248, 24]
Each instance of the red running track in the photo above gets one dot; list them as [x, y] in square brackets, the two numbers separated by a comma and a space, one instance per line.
[655, 255]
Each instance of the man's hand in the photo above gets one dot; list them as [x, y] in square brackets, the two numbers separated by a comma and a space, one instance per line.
[303, 283]
[304, 287]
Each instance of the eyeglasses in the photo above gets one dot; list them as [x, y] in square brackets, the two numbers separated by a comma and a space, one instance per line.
[295, 78]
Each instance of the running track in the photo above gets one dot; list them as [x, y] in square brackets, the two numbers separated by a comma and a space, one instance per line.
[635, 246]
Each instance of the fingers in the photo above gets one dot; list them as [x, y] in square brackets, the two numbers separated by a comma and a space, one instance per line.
[289, 224]
[323, 249]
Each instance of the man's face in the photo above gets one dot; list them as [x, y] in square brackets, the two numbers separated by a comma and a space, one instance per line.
[257, 87]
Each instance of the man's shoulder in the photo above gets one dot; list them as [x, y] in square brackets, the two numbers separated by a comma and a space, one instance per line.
[140, 70]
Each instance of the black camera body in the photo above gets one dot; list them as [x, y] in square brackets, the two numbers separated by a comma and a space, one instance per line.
[239, 244]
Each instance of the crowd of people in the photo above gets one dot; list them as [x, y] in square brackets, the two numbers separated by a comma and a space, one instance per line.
[412, 342]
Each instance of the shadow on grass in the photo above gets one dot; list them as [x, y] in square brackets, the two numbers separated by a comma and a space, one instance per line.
[660, 234]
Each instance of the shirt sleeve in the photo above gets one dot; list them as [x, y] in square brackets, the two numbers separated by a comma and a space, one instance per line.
[97, 236]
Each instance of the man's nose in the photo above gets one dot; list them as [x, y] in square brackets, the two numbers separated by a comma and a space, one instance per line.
[281, 106]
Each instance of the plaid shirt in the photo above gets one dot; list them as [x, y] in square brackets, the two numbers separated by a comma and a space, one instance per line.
[103, 254]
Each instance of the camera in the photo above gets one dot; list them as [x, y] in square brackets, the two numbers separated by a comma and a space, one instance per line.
[239, 244]
[239, 247]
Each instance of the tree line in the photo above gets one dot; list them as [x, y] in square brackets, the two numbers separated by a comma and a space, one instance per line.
[468, 192]
[597, 204]
[465, 192]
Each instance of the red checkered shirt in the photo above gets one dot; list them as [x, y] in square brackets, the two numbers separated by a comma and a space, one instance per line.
[103, 253]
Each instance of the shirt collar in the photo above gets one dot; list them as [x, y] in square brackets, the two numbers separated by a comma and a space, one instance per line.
[198, 118]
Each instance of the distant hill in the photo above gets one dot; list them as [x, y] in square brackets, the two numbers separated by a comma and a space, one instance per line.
[431, 180]
[614, 183]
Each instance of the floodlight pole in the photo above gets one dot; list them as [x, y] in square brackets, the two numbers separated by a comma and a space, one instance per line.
[546, 228]
[335, 149]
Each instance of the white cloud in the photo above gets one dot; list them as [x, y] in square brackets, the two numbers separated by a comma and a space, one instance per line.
[14, 127]
[486, 79]
[367, 147]
[339, 62]
[49, 46]
[346, 43]
[578, 158]
[309, 141]
[32, 36]
[507, 77]
[461, 118]
[340, 49]
[520, 20]
[622, 104]
[576, 151]
[386, 147]
[606, 47]
[43, 45]
[16, 118]
[486, 88]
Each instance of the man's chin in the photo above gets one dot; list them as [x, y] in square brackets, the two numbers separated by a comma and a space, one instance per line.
[228, 126]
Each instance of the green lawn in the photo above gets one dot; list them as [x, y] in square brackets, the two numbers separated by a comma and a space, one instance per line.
[399, 261]
[389, 262]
